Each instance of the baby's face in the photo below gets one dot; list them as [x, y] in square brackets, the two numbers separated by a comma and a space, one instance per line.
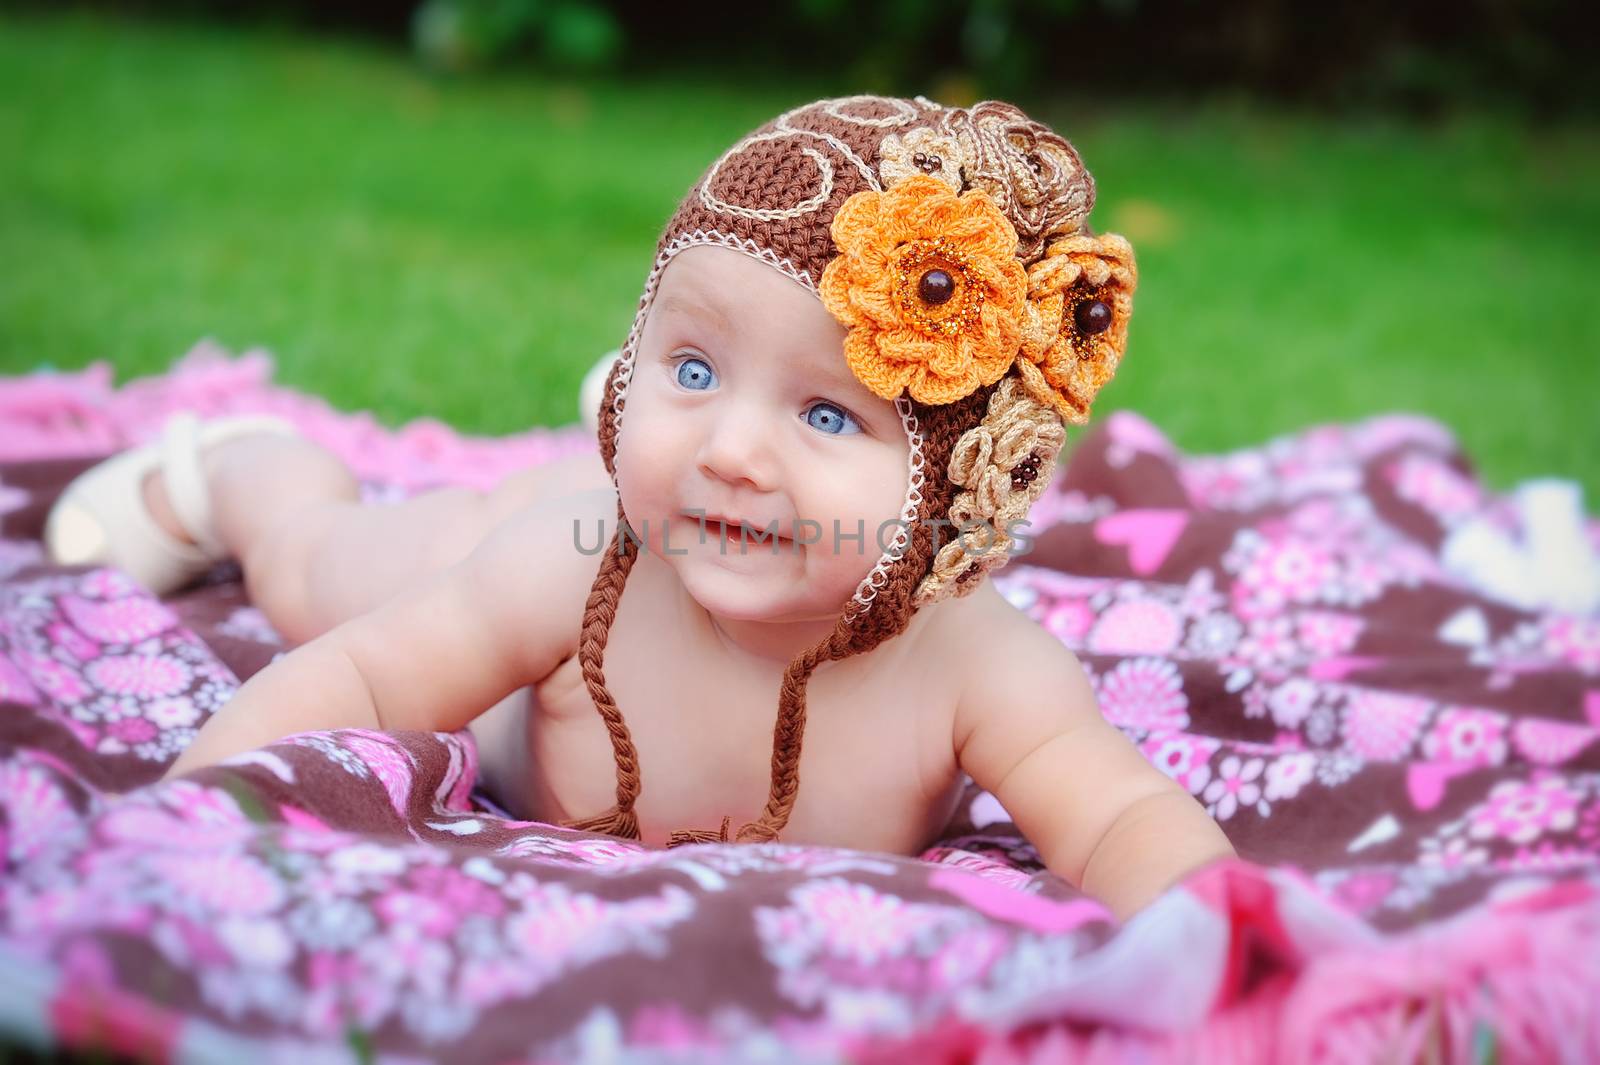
[741, 406]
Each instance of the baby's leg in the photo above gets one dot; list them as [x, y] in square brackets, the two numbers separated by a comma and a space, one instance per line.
[341, 558]
[314, 556]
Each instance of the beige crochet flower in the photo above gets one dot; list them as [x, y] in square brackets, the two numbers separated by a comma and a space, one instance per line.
[1003, 465]
[921, 151]
[1032, 173]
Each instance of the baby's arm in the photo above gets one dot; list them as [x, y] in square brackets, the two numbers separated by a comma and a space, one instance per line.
[1103, 818]
[432, 658]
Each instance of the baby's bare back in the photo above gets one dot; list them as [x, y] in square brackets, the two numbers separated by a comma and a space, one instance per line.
[878, 769]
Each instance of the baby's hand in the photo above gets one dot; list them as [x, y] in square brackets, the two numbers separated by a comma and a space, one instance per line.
[1103, 818]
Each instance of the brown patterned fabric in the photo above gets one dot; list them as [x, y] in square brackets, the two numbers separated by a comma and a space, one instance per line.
[1414, 766]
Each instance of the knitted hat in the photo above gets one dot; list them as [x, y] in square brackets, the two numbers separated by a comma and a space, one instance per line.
[952, 245]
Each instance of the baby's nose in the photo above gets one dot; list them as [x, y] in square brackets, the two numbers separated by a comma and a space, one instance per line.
[739, 448]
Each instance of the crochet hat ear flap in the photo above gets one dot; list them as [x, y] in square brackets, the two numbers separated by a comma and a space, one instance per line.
[610, 417]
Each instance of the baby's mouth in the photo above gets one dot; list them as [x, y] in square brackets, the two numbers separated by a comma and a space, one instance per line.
[734, 531]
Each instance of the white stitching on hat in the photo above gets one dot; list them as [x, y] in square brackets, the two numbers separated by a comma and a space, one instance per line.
[874, 581]
[768, 214]
[907, 112]
[839, 146]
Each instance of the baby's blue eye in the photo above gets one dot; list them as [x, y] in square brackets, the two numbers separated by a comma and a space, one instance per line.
[827, 418]
[696, 374]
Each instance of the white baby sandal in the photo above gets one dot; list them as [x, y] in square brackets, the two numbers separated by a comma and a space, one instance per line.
[101, 518]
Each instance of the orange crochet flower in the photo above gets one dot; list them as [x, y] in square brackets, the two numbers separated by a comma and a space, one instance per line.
[929, 285]
[1080, 297]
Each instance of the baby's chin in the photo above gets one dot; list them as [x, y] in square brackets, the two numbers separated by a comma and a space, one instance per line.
[762, 590]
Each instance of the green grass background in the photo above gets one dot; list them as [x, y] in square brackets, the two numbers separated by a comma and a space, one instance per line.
[465, 249]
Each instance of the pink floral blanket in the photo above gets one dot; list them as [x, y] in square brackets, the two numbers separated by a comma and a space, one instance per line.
[1410, 769]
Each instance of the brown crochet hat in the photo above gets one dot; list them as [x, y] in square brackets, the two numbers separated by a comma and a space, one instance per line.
[951, 243]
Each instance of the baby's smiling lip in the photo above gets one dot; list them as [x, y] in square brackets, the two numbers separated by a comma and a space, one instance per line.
[752, 530]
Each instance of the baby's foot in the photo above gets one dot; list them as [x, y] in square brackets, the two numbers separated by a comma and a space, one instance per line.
[213, 458]
[156, 501]
[148, 510]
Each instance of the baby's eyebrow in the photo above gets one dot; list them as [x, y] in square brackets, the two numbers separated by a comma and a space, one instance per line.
[830, 373]
[837, 378]
[696, 309]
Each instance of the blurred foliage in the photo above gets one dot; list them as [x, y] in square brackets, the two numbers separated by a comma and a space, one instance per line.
[465, 247]
[460, 35]
[1535, 56]
[1357, 53]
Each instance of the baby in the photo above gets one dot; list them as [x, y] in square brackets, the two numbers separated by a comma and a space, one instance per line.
[846, 383]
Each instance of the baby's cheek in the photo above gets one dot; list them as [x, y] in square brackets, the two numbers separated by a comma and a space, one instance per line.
[639, 490]
[840, 563]
[867, 522]
[644, 458]
[881, 499]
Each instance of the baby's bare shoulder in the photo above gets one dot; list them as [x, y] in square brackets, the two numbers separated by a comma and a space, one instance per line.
[1029, 731]
[991, 628]
[1011, 666]
[535, 571]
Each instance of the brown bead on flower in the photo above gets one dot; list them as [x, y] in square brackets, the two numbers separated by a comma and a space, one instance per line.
[929, 286]
[1080, 297]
